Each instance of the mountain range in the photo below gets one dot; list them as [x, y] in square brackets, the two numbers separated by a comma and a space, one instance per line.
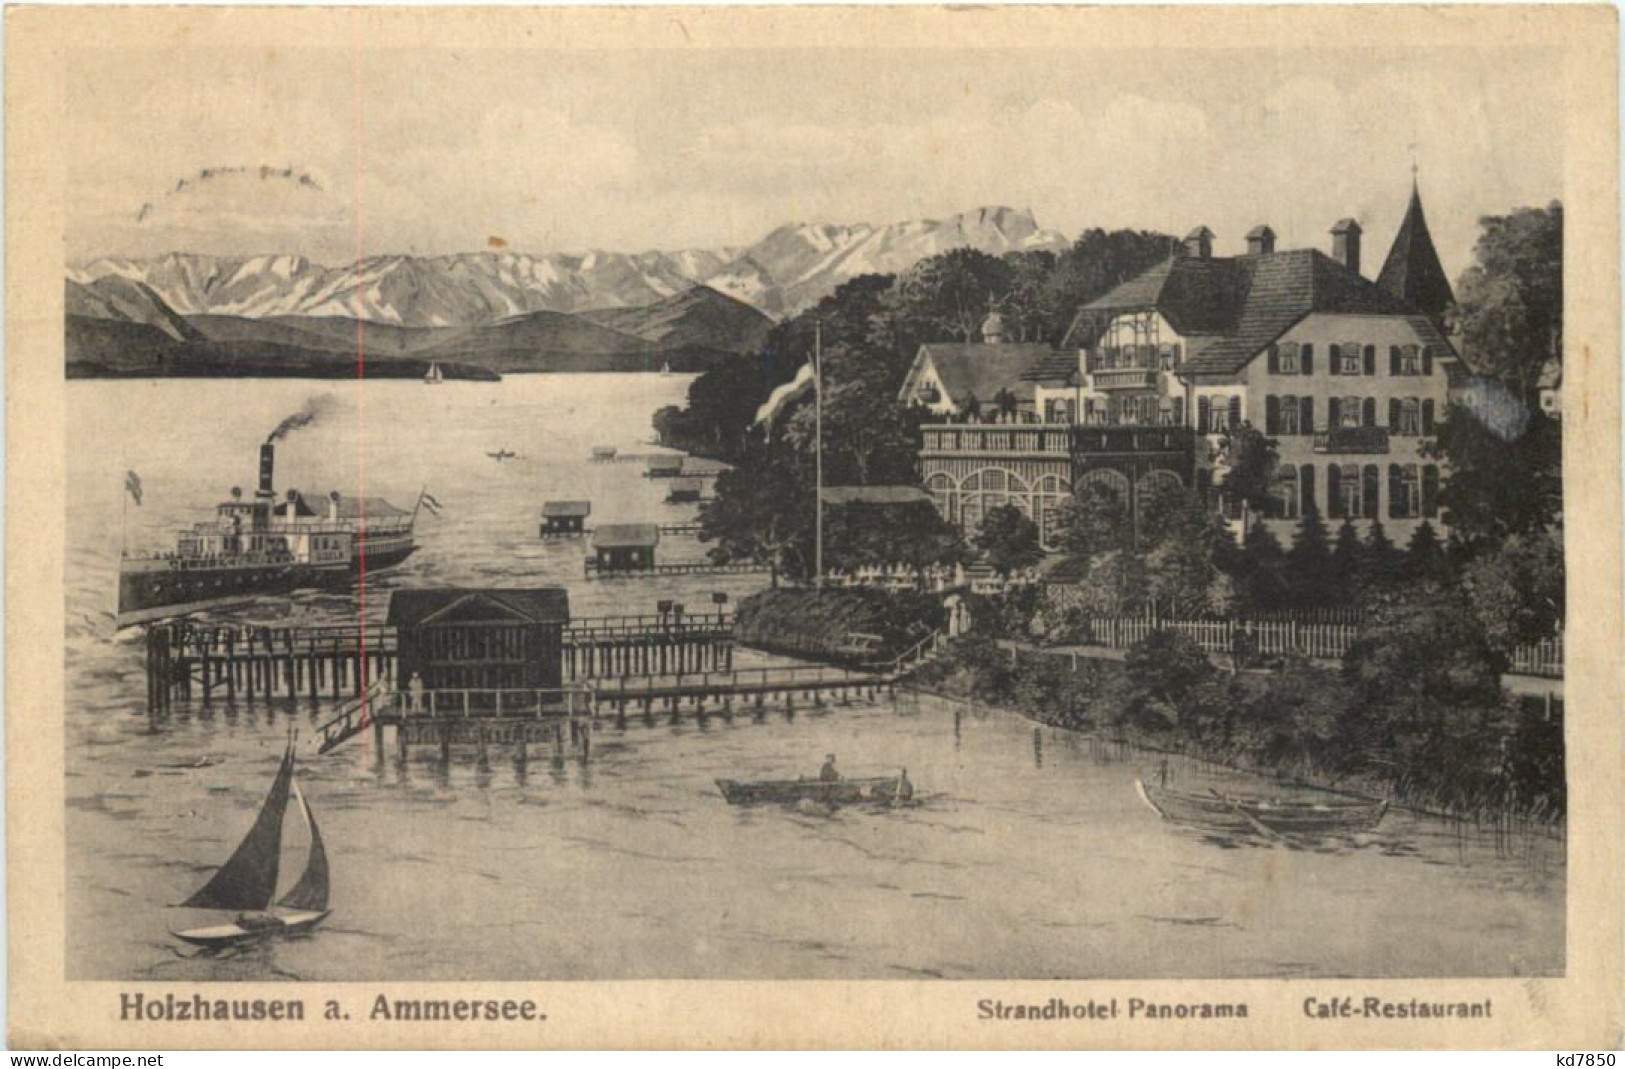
[789, 269]
[482, 313]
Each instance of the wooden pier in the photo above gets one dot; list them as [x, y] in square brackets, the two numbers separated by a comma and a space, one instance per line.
[587, 532]
[186, 661]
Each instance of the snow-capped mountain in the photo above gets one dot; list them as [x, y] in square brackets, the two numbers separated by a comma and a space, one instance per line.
[789, 269]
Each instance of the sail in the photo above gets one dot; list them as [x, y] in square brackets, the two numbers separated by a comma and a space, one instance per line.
[248, 878]
[311, 890]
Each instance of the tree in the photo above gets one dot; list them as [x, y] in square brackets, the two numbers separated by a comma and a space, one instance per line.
[1182, 543]
[1424, 554]
[1517, 590]
[1499, 486]
[1093, 520]
[1510, 301]
[1381, 561]
[1348, 560]
[1261, 573]
[763, 511]
[1309, 562]
[1252, 461]
[950, 294]
[1008, 539]
[1030, 309]
[1165, 669]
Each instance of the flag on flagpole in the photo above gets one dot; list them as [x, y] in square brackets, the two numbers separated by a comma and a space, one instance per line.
[430, 503]
[132, 485]
[781, 396]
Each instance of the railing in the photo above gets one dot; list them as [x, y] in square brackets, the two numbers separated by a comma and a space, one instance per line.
[457, 703]
[912, 657]
[734, 680]
[1133, 438]
[1352, 440]
[599, 628]
[1123, 378]
[1048, 438]
[1544, 658]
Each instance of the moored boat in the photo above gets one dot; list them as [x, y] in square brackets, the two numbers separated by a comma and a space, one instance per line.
[876, 790]
[1334, 815]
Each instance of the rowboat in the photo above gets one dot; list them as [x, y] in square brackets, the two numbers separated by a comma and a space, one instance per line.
[1271, 816]
[247, 881]
[878, 790]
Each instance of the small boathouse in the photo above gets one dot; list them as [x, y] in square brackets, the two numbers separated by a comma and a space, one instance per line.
[664, 466]
[625, 547]
[459, 638]
[685, 489]
[565, 517]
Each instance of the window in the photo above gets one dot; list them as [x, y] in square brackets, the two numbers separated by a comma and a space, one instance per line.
[1222, 413]
[1284, 358]
[1410, 360]
[1344, 490]
[1410, 416]
[1167, 357]
[1286, 493]
[1349, 358]
[1348, 411]
[1288, 416]
[1404, 492]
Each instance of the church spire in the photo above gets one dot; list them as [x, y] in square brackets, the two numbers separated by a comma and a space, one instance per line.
[1412, 271]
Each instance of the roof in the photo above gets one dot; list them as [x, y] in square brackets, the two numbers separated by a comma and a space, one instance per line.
[660, 463]
[1058, 368]
[567, 508]
[874, 495]
[1236, 306]
[1412, 273]
[622, 535]
[981, 370]
[548, 604]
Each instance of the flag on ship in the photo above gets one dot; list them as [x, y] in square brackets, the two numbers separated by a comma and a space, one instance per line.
[430, 503]
[783, 395]
[132, 485]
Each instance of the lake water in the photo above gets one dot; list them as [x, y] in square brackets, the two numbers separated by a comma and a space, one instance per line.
[1028, 856]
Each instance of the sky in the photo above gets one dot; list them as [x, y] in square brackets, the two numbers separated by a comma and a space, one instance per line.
[329, 154]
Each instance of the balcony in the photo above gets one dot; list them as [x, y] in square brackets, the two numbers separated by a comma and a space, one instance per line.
[1134, 438]
[1352, 440]
[996, 439]
[1123, 379]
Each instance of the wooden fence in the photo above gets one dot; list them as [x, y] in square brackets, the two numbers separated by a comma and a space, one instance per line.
[1282, 637]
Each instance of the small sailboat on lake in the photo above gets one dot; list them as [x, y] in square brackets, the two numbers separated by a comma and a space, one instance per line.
[434, 377]
[247, 882]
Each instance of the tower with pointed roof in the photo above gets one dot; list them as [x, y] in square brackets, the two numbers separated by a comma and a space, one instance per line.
[1412, 271]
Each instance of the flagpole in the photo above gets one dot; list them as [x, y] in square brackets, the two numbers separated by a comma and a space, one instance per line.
[818, 453]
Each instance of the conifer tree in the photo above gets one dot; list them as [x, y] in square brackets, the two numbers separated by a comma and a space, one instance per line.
[1348, 559]
[1309, 563]
[1382, 559]
[1261, 574]
[1424, 556]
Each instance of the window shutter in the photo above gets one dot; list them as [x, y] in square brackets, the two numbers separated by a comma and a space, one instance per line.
[1272, 415]
[1371, 478]
[1306, 486]
[1306, 360]
[1337, 360]
[1427, 416]
[1235, 412]
[1275, 360]
[1396, 493]
[1306, 415]
[1368, 412]
[1334, 487]
[1393, 415]
[1393, 360]
[1430, 490]
[1203, 415]
[1427, 360]
[1370, 359]
[1334, 411]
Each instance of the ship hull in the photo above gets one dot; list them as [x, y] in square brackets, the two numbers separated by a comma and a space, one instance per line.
[147, 594]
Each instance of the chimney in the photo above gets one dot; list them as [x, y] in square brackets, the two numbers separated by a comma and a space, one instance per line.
[1260, 241]
[1199, 243]
[333, 506]
[267, 467]
[1346, 244]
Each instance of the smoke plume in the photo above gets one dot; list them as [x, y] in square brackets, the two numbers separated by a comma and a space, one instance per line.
[310, 412]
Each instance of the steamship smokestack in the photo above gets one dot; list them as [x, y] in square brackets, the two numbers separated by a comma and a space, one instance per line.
[267, 468]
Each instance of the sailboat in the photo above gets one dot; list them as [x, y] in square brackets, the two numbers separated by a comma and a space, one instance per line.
[434, 377]
[665, 368]
[247, 881]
